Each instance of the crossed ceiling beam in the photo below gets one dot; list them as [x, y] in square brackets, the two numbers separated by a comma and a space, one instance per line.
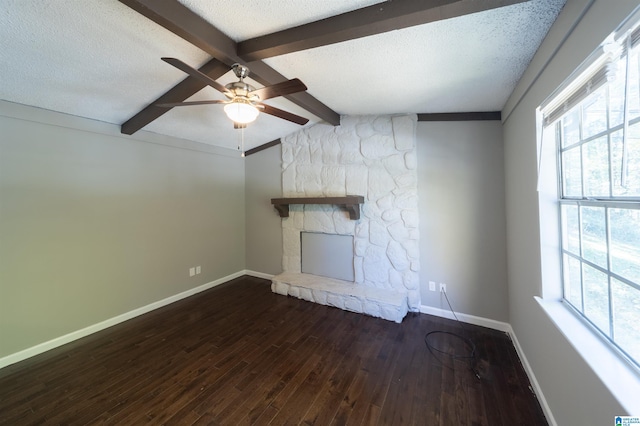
[383, 17]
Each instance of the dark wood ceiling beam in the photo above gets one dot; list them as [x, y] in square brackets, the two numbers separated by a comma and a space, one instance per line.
[379, 18]
[183, 90]
[185, 23]
[461, 116]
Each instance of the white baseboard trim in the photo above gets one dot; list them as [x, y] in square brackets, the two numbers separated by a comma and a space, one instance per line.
[258, 274]
[532, 378]
[505, 327]
[471, 319]
[78, 334]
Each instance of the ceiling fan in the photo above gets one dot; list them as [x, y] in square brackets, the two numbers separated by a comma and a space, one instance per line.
[244, 102]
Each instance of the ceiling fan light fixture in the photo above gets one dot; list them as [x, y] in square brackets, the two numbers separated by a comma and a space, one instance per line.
[241, 111]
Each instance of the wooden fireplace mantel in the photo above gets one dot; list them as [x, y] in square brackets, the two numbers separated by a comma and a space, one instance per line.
[350, 203]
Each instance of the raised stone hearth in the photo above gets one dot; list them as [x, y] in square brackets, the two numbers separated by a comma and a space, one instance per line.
[372, 156]
[382, 303]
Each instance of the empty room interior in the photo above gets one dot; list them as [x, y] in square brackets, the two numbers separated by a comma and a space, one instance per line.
[320, 212]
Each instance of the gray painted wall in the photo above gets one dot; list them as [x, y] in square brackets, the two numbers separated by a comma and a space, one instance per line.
[462, 216]
[574, 393]
[263, 227]
[94, 224]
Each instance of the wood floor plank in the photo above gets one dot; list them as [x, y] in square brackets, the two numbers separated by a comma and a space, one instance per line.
[239, 354]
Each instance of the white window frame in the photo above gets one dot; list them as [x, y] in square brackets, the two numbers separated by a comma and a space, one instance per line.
[617, 372]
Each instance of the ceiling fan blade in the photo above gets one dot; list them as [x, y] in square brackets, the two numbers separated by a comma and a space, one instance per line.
[197, 74]
[177, 104]
[280, 89]
[276, 112]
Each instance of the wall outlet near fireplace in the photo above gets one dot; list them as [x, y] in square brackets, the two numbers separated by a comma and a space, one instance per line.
[192, 271]
[443, 288]
[432, 286]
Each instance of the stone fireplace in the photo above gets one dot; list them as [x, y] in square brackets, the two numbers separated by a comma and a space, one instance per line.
[370, 156]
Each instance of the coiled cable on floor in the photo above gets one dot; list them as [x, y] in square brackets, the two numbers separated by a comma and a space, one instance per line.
[471, 357]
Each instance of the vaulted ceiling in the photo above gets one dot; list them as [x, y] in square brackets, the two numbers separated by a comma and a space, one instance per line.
[100, 59]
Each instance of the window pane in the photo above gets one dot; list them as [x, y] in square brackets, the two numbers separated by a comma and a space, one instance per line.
[626, 305]
[594, 113]
[595, 155]
[617, 90]
[572, 282]
[570, 229]
[625, 243]
[634, 86]
[571, 127]
[631, 187]
[594, 235]
[596, 297]
[572, 173]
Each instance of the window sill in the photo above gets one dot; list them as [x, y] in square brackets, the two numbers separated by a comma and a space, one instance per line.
[620, 377]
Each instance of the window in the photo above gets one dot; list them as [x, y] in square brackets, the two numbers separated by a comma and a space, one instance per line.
[595, 121]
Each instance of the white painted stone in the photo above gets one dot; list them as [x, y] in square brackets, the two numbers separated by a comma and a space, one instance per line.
[378, 234]
[320, 296]
[294, 291]
[335, 300]
[291, 263]
[306, 294]
[342, 224]
[404, 131]
[356, 180]
[319, 218]
[413, 301]
[301, 153]
[358, 269]
[398, 256]
[289, 181]
[362, 229]
[353, 304]
[415, 266]
[406, 180]
[411, 160]
[364, 130]
[410, 218]
[318, 131]
[386, 202]
[410, 280]
[395, 165]
[407, 202]
[398, 231]
[332, 180]
[391, 215]
[360, 246]
[280, 288]
[315, 151]
[412, 248]
[375, 265]
[330, 150]
[370, 211]
[287, 152]
[308, 179]
[290, 242]
[380, 183]
[372, 309]
[395, 278]
[377, 146]
[373, 162]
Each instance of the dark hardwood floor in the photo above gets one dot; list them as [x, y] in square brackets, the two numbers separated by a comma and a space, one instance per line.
[239, 354]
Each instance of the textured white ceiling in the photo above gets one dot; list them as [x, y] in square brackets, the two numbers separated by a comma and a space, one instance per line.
[101, 60]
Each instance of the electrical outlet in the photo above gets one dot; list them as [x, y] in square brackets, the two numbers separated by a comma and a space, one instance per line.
[432, 286]
[198, 270]
[192, 271]
[443, 288]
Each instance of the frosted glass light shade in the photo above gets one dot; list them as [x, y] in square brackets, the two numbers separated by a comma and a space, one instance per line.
[241, 112]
